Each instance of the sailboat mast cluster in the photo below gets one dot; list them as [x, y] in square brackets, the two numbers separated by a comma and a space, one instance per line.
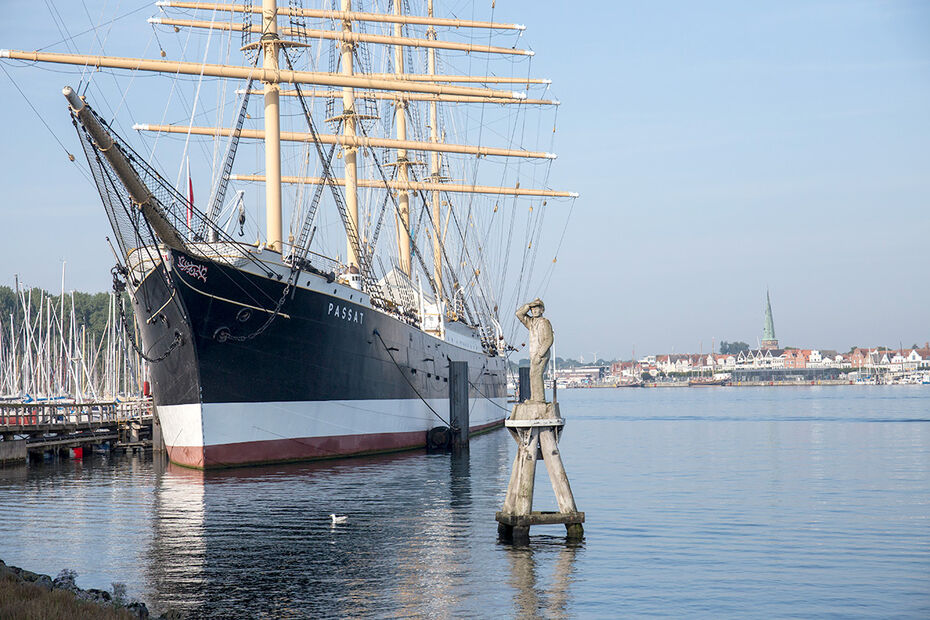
[48, 353]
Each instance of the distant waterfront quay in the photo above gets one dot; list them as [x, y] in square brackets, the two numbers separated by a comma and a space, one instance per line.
[738, 364]
[761, 502]
[773, 367]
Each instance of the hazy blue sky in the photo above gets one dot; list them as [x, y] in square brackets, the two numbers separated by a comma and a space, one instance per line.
[719, 148]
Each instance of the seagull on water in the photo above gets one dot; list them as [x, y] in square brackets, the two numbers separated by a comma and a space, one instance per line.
[337, 520]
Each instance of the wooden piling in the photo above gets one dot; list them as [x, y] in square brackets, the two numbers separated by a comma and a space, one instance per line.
[458, 404]
[523, 387]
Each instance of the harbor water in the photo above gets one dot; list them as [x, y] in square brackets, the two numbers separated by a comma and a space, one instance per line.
[738, 502]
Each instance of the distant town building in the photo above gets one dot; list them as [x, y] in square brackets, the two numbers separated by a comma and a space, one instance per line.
[581, 375]
[769, 341]
[764, 365]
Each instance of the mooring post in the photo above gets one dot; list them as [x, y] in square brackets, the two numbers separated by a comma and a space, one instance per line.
[523, 386]
[458, 404]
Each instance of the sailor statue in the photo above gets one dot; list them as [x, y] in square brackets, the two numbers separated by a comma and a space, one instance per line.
[536, 426]
[541, 338]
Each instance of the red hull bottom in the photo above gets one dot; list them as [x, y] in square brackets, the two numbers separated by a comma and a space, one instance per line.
[301, 449]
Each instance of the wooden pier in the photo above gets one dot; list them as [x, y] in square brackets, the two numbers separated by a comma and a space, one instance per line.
[37, 428]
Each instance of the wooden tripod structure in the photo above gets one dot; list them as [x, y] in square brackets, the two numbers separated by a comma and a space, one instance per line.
[537, 427]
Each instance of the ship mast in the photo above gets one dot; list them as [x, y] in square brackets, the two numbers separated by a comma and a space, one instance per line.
[270, 43]
[348, 130]
[399, 85]
[400, 116]
[434, 165]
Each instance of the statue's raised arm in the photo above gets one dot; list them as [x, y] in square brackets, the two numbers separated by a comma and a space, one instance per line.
[524, 311]
[541, 339]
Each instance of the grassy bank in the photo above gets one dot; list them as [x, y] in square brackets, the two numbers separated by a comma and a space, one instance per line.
[28, 601]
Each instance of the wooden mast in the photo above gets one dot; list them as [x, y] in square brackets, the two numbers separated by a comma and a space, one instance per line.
[350, 150]
[272, 128]
[434, 166]
[400, 120]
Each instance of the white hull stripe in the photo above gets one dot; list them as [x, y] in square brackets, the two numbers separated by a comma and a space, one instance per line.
[232, 423]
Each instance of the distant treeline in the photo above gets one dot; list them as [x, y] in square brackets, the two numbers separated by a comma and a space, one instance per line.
[90, 309]
[733, 348]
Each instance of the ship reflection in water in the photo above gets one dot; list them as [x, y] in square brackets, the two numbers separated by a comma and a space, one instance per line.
[260, 540]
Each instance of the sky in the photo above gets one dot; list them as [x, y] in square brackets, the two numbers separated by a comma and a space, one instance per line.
[720, 149]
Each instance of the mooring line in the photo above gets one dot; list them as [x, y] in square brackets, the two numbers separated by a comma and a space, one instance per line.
[487, 397]
[375, 332]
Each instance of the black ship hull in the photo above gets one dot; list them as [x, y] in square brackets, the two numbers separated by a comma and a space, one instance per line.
[329, 376]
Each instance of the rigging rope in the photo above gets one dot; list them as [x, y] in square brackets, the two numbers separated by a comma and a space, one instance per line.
[68, 39]
[39, 116]
[558, 248]
[203, 64]
[364, 262]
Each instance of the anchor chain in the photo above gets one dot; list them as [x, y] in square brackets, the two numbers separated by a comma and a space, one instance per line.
[119, 285]
[224, 334]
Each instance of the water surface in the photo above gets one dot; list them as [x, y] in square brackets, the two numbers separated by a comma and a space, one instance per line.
[759, 502]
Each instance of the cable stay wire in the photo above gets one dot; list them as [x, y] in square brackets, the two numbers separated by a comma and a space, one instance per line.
[410, 383]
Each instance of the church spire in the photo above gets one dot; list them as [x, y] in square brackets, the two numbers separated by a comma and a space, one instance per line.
[769, 341]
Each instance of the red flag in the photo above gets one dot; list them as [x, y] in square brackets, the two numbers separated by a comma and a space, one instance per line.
[190, 194]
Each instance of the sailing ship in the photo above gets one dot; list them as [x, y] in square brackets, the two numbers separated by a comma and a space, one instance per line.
[277, 350]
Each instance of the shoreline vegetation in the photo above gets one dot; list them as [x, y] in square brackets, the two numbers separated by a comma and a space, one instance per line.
[27, 595]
